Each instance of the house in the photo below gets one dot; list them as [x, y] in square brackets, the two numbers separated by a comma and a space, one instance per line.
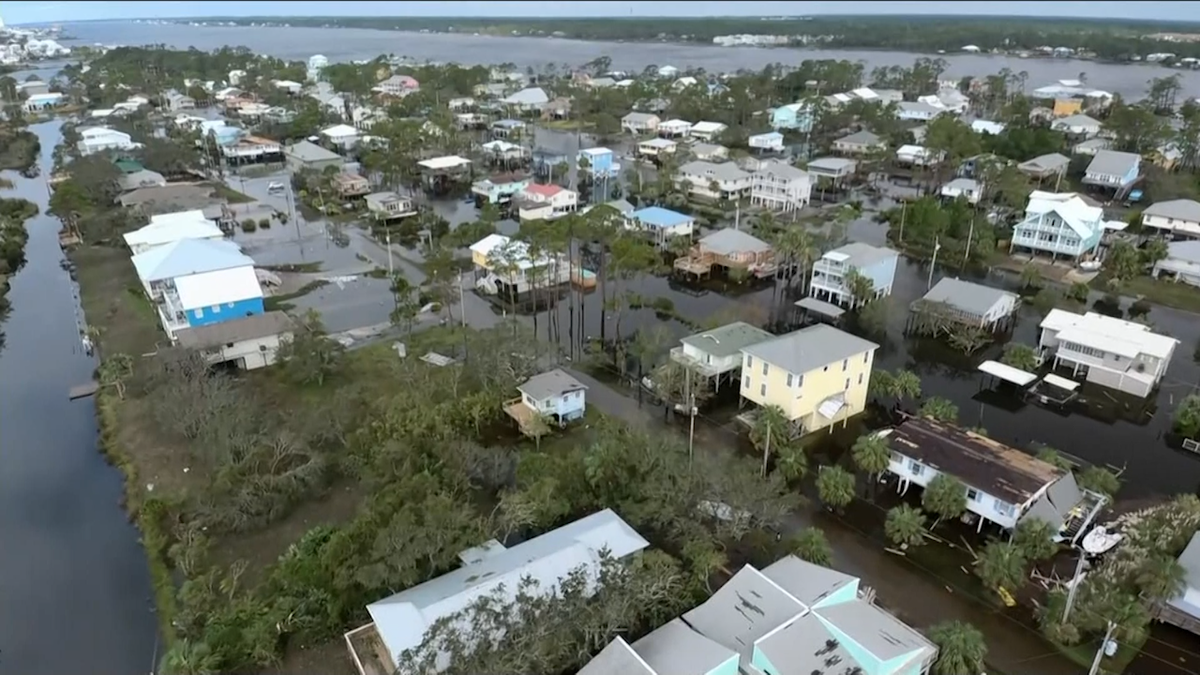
[790, 618]
[532, 99]
[504, 151]
[507, 263]
[1113, 169]
[599, 161]
[1110, 352]
[708, 131]
[158, 267]
[969, 303]
[661, 223]
[499, 189]
[1182, 610]
[141, 179]
[43, 102]
[684, 83]
[717, 353]
[828, 280]
[917, 111]
[250, 342]
[668, 71]
[341, 135]
[1078, 126]
[793, 116]
[708, 152]
[1182, 263]
[389, 206]
[172, 227]
[656, 147]
[546, 202]
[675, 128]
[290, 86]
[399, 622]
[779, 186]
[251, 149]
[769, 142]
[1045, 166]
[832, 169]
[102, 139]
[859, 143]
[507, 127]
[732, 249]
[1061, 224]
[398, 85]
[640, 123]
[716, 181]
[817, 375]
[987, 127]
[916, 155]
[177, 101]
[966, 188]
[33, 87]
[1179, 218]
[1090, 147]
[553, 395]
[1003, 485]
[308, 156]
[347, 185]
[209, 297]
[947, 99]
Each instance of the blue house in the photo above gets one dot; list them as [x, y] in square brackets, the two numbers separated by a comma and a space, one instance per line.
[1060, 224]
[1112, 169]
[805, 618]
[793, 116]
[207, 298]
[828, 280]
[553, 394]
[661, 223]
[600, 161]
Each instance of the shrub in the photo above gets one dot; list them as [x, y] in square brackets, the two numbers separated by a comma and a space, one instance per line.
[248, 225]
[265, 223]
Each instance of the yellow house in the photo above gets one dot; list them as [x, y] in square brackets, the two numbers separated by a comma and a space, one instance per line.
[818, 375]
[1067, 106]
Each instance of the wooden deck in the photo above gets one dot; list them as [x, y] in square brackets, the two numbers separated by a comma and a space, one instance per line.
[520, 412]
[695, 265]
[83, 390]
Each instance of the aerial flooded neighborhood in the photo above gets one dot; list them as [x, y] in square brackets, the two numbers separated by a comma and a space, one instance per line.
[815, 363]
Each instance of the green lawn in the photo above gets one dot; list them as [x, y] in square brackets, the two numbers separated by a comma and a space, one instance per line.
[1167, 293]
[230, 195]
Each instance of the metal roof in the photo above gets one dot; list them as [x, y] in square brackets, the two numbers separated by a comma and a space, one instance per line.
[1179, 209]
[810, 348]
[727, 340]
[189, 256]
[550, 384]
[729, 241]
[237, 330]
[971, 298]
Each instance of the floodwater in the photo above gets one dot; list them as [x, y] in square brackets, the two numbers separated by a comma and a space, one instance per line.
[74, 587]
[346, 44]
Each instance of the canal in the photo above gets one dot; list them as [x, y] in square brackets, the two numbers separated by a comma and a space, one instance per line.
[74, 587]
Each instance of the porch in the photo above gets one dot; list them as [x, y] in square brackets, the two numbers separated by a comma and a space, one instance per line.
[367, 651]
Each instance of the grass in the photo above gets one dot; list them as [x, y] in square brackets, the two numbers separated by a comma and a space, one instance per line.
[297, 268]
[282, 302]
[566, 125]
[1166, 293]
[1083, 654]
[230, 195]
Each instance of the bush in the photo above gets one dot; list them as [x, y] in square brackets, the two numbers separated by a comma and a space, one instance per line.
[265, 223]
[248, 225]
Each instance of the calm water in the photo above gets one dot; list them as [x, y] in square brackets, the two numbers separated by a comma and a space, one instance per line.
[344, 44]
[74, 589]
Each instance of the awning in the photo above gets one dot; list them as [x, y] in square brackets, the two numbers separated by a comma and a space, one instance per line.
[1007, 373]
[1060, 382]
[833, 405]
[821, 307]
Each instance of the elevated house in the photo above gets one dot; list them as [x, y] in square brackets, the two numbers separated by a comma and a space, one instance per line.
[437, 173]
[1003, 485]
[832, 171]
[1046, 167]
[341, 136]
[546, 202]
[965, 188]
[554, 396]
[915, 156]
[640, 123]
[779, 186]
[707, 131]
[1078, 126]
[859, 143]
[505, 267]
[793, 116]
[1182, 263]
[504, 153]
[249, 342]
[717, 353]
[385, 206]
[1175, 218]
[350, 185]
[790, 618]
[399, 622]
[957, 302]
[529, 100]
[1112, 170]
[1183, 610]
[829, 274]
[734, 250]
[600, 162]
[770, 142]
[508, 128]
[655, 148]
[500, 189]
[172, 227]
[918, 111]
[709, 152]
[661, 224]
[1107, 351]
[723, 180]
[675, 128]
[1060, 224]
[817, 375]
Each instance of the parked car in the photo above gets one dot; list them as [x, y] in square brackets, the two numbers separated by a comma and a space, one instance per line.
[276, 187]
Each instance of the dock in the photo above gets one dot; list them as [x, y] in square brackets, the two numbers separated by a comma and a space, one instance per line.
[83, 390]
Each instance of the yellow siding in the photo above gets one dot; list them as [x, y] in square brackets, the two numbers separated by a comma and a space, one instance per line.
[800, 402]
[1067, 106]
[480, 260]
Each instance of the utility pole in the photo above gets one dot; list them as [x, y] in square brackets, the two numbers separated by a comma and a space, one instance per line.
[766, 449]
[692, 429]
[388, 239]
[933, 263]
[970, 236]
[1075, 583]
[462, 305]
[1100, 650]
[903, 209]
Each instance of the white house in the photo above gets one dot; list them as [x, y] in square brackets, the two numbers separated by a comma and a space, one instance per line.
[100, 139]
[249, 342]
[779, 186]
[546, 202]
[1078, 125]
[668, 71]
[656, 147]
[640, 122]
[1059, 224]
[398, 85]
[158, 267]
[675, 128]
[1177, 217]
[290, 86]
[971, 190]
[1110, 352]
[915, 155]
[389, 205]
[718, 352]
[507, 262]
[528, 100]
[707, 131]
[1182, 263]
[771, 141]
[1003, 485]
[987, 127]
[171, 227]
[917, 111]
[731, 182]
[341, 135]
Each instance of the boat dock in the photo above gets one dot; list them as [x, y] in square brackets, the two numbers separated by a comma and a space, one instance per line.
[83, 390]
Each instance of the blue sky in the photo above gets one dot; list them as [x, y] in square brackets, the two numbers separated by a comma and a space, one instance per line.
[36, 12]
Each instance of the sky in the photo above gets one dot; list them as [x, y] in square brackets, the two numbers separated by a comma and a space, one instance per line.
[39, 12]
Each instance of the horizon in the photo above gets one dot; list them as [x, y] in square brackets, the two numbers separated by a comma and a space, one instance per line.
[28, 13]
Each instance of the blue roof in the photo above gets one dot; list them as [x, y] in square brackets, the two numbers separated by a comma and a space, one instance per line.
[657, 216]
[187, 257]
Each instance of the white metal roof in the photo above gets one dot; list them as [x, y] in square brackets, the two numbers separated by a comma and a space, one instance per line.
[707, 127]
[1060, 382]
[518, 251]
[218, 288]
[1074, 211]
[676, 123]
[448, 162]
[658, 143]
[170, 227]
[188, 256]
[1108, 334]
[340, 131]
[1007, 373]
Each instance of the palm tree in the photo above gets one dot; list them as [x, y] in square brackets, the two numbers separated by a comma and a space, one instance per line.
[792, 463]
[812, 546]
[771, 430]
[939, 409]
[189, 658]
[1001, 564]
[871, 454]
[835, 487]
[1035, 538]
[798, 249]
[944, 497]
[1160, 577]
[905, 526]
[906, 385]
[961, 648]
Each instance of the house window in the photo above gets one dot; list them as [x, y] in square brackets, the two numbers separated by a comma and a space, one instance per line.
[746, 383]
[1003, 508]
[216, 309]
[789, 379]
[199, 313]
[845, 364]
[765, 367]
[860, 378]
[866, 356]
[799, 380]
[973, 494]
[916, 467]
[847, 387]
[762, 389]
[749, 361]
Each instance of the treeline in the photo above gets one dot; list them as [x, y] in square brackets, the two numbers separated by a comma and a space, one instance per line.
[1106, 38]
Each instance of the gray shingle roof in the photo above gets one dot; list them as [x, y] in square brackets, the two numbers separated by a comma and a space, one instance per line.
[237, 330]
[1051, 162]
[832, 163]
[782, 169]
[746, 608]
[727, 340]
[860, 255]
[617, 658]
[971, 298]
[677, 649]
[552, 383]
[1113, 163]
[713, 170]
[729, 240]
[805, 581]
[863, 137]
[810, 348]
[307, 151]
[1179, 209]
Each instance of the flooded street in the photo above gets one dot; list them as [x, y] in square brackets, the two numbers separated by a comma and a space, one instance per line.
[74, 587]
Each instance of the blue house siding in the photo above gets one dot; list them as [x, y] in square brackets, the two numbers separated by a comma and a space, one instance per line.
[796, 120]
[882, 273]
[601, 162]
[870, 664]
[760, 661]
[205, 316]
[846, 593]
[730, 667]
[1049, 233]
